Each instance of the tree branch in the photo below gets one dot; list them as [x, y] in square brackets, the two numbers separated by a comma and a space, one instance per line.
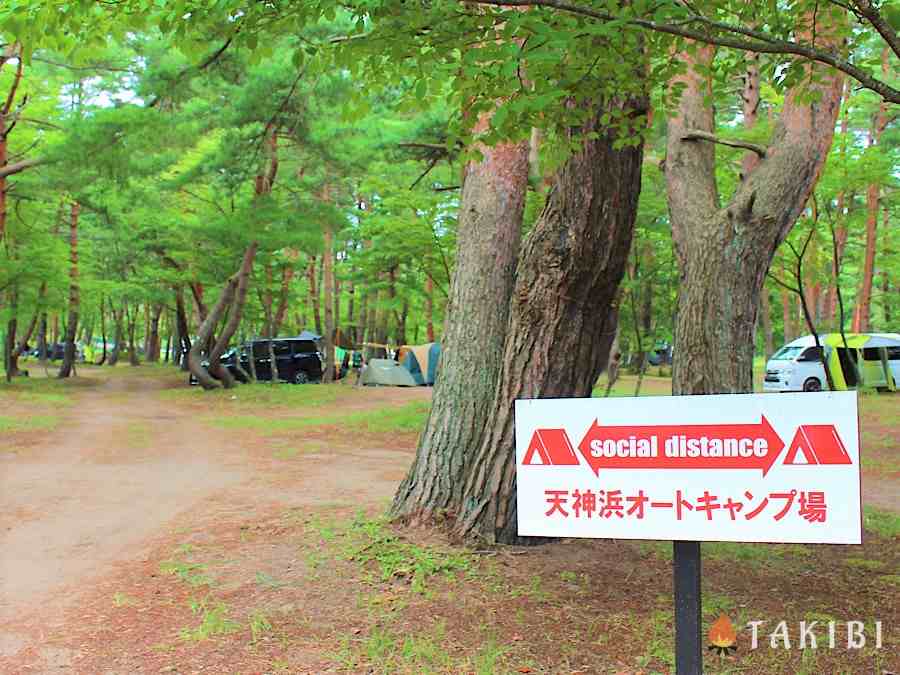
[697, 135]
[757, 41]
[866, 9]
[17, 167]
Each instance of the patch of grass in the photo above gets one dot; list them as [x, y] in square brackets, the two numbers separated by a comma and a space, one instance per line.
[652, 385]
[138, 434]
[259, 626]
[267, 581]
[882, 523]
[399, 419]
[123, 600]
[9, 424]
[213, 621]
[189, 572]
[865, 564]
[759, 554]
[488, 657]
[263, 395]
[371, 543]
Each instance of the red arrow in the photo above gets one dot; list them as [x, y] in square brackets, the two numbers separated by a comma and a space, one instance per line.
[682, 446]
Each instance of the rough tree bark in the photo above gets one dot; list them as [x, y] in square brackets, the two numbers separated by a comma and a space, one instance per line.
[557, 336]
[68, 363]
[724, 253]
[488, 239]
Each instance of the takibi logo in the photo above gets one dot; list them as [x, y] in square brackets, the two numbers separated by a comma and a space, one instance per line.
[722, 636]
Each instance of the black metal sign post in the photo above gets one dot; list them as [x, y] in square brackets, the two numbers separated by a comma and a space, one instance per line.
[688, 643]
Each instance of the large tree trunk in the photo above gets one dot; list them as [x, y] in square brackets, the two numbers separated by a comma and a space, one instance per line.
[724, 253]
[72, 324]
[558, 337]
[328, 300]
[488, 239]
[234, 319]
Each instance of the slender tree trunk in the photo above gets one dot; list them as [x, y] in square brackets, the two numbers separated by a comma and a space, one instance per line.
[488, 239]
[184, 331]
[557, 337]
[863, 313]
[352, 335]
[102, 330]
[234, 319]
[205, 332]
[287, 275]
[831, 293]
[328, 300]
[117, 346]
[68, 363]
[314, 293]
[363, 322]
[9, 344]
[197, 292]
[42, 338]
[132, 318]
[429, 308]
[724, 253]
[153, 341]
[338, 333]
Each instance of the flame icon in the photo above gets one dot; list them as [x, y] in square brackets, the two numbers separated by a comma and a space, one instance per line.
[722, 636]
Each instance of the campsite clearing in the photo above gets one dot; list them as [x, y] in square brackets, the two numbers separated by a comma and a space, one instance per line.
[152, 528]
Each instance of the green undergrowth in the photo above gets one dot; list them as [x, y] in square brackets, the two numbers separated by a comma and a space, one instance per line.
[389, 419]
[9, 424]
[262, 395]
[383, 555]
[882, 523]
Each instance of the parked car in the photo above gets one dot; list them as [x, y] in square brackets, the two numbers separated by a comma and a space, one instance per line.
[798, 365]
[298, 359]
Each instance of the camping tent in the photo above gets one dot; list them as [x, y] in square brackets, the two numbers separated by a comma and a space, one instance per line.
[421, 361]
[387, 372]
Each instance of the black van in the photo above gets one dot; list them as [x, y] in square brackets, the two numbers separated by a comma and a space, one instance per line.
[297, 359]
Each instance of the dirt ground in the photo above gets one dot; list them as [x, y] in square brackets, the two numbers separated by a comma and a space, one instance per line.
[151, 530]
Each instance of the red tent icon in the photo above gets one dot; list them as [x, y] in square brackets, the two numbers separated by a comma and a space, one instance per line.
[817, 444]
[550, 447]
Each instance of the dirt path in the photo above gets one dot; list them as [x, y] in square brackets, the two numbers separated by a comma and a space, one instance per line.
[126, 469]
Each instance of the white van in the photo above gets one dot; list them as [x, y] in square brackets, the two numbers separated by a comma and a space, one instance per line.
[797, 366]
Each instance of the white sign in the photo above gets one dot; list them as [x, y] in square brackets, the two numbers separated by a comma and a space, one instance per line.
[737, 467]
